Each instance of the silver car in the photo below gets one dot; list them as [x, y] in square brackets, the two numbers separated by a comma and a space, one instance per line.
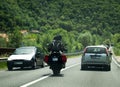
[25, 57]
[96, 56]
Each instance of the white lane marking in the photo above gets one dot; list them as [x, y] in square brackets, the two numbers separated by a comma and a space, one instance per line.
[42, 78]
[70, 66]
[35, 81]
[2, 71]
[115, 62]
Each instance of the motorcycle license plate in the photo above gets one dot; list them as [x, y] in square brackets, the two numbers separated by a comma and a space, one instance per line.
[54, 59]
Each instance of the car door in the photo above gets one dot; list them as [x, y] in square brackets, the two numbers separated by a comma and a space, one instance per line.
[39, 58]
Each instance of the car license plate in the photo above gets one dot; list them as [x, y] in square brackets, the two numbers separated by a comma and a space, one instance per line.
[54, 59]
[95, 56]
[18, 62]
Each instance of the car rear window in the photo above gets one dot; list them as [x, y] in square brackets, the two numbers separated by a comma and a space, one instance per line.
[95, 50]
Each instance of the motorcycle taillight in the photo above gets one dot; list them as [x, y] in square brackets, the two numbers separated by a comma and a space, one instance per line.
[46, 58]
[64, 58]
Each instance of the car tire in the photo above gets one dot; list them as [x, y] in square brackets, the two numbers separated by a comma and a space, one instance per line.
[83, 67]
[34, 65]
[107, 68]
[10, 67]
[22, 68]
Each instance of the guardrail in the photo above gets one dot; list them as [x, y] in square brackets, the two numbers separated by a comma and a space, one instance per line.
[76, 53]
[6, 50]
[67, 54]
[3, 59]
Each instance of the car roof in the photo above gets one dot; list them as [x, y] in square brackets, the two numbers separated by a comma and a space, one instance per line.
[102, 46]
[27, 47]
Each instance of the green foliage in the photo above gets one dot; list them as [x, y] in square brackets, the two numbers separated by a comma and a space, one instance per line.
[42, 39]
[107, 41]
[80, 22]
[97, 16]
[117, 51]
[85, 38]
[3, 42]
[3, 65]
[15, 39]
[116, 41]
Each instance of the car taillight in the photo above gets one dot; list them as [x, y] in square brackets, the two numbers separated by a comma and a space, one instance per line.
[46, 58]
[64, 58]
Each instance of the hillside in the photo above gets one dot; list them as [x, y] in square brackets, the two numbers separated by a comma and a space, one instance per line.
[80, 22]
[96, 16]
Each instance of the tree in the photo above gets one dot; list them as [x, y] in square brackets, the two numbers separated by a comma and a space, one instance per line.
[85, 38]
[15, 39]
[116, 41]
[3, 42]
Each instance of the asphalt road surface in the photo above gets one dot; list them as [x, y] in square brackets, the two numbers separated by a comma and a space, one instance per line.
[71, 76]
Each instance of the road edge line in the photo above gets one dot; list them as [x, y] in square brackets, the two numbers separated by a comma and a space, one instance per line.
[115, 62]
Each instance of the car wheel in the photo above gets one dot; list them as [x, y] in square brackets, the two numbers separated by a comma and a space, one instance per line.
[107, 68]
[21, 68]
[10, 67]
[83, 67]
[43, 65]
[34, 65]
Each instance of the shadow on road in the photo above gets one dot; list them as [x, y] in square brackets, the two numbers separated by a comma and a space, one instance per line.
[52, 75]
[59, 75]
[95, 69]
[24, 69]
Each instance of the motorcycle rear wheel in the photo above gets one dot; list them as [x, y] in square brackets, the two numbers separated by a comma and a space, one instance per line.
[56, 72]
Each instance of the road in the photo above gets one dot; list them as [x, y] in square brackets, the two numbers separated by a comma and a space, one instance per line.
[71, 76]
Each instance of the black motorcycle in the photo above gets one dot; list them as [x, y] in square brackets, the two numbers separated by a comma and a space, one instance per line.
[56, 61]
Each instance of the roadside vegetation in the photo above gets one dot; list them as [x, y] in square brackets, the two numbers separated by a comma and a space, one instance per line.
[3, 65]
[80, 22]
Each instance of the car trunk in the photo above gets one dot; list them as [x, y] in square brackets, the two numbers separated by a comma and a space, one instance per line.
[95, 57]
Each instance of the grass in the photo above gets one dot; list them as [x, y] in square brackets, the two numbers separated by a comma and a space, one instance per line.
[117, 51]
[3, 65]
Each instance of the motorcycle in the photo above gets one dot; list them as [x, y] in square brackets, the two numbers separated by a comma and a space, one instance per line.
[56, 61]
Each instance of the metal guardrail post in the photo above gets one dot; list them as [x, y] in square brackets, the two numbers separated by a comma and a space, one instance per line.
[3, 59]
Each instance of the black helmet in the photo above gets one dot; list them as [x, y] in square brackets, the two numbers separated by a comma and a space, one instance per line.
[58, 37]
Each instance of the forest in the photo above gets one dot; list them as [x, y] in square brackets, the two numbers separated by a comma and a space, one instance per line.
[80, 22]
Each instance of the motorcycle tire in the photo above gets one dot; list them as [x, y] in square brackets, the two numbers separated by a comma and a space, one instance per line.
[56, 72]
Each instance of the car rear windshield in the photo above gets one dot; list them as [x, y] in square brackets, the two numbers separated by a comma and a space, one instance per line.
[95, 50]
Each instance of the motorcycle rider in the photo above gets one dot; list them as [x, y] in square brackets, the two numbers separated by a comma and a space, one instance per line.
[57, 46]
